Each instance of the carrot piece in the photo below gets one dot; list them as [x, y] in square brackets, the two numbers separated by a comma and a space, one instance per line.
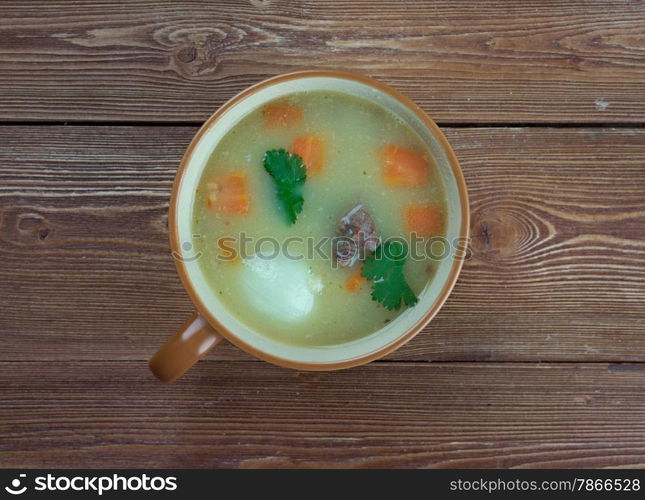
[227, 250]
[425, 220]
[281, 115]
[404, 167]
[235, 260]
[355, 281]
[311, 149]
[228, 194]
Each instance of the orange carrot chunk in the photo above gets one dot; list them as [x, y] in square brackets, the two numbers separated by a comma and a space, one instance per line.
[404, 167]
[425, 220]
[312, 151]
[227, 250]
[355, 281]
[228, 194]
[281, 115]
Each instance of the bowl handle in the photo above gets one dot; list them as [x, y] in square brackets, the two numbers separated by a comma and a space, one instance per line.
[181, 351]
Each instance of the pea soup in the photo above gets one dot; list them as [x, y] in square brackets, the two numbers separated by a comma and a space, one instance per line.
[304, 213]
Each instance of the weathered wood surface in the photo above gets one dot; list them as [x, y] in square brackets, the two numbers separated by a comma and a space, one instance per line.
[473, 61]
[245, 414]
[531, 352]
[558, 219]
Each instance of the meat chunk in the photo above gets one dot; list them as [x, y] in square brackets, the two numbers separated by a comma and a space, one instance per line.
[355, 236]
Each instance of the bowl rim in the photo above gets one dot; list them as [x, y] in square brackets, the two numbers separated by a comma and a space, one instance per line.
[406, 335]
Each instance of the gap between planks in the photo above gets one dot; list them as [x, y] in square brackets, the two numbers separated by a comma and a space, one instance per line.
[161, 124]
[612, 366]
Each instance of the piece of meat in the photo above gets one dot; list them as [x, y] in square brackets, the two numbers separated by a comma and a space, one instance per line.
[355, 236]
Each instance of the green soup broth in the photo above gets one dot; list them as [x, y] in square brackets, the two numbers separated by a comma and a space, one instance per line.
[306, 302]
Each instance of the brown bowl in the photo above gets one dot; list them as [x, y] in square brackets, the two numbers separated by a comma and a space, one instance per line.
[213, 322]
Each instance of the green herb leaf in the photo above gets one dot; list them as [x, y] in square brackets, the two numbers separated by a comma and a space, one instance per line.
[289, 174]
[385, 268]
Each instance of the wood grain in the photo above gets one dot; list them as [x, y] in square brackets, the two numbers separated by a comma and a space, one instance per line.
[558, 218]
[472, 61]
[224, 414]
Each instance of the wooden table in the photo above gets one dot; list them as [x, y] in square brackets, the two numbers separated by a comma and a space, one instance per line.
[536, 360]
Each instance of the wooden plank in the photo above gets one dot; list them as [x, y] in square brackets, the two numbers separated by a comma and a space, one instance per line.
[245, 414]
[472, 61]
[557, 270]
[557, 226]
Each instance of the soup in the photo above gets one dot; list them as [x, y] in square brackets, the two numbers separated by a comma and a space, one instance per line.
[296, 210]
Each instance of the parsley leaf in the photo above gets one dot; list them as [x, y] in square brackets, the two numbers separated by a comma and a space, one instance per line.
[289, 173]
[385, 268]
